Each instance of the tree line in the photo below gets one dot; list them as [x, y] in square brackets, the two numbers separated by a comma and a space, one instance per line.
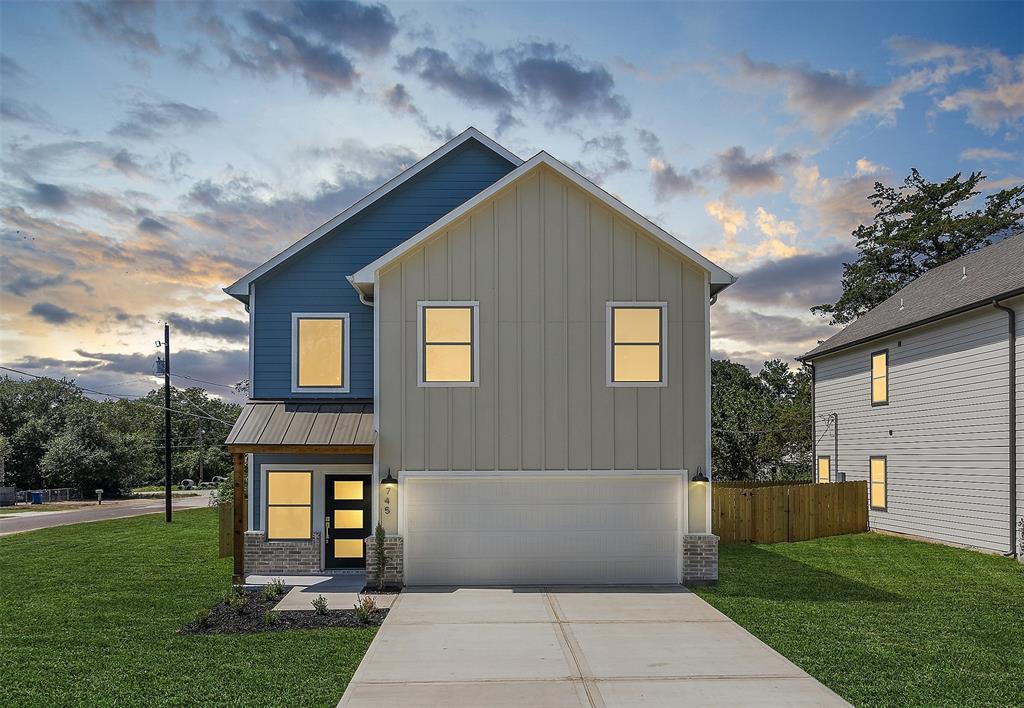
[52, 435]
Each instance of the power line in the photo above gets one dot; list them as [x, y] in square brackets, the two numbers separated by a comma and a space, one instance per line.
[134, 399]
[210, 383]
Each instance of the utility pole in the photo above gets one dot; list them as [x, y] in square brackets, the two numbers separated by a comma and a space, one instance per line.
[202, 451]
[167, 422]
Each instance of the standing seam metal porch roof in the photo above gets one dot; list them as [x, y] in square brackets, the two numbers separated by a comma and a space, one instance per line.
[313, 424]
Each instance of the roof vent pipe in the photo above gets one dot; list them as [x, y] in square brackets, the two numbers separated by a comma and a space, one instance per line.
[901, 303]
[964, 276]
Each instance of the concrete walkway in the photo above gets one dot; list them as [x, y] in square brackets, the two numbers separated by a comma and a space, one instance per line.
[113, 509]
[579, 647]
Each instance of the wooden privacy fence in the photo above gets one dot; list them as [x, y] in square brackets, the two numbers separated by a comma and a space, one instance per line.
[225, 537]
[794, 512]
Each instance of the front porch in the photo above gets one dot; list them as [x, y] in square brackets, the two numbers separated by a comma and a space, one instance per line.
[298, 463]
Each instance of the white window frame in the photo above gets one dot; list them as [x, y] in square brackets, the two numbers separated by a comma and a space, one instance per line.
[610, 345]
[346, 339]
[474, 306]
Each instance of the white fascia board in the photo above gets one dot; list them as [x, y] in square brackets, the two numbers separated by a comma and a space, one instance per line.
[719, 275]
[240, 288]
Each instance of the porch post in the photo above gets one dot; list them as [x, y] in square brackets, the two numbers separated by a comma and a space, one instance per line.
[238, 517]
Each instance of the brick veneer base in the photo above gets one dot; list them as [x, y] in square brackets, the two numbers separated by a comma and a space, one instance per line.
[699, 559]
[394, 569]
[267, 557]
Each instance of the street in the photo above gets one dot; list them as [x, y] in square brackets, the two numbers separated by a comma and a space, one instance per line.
[114, 509]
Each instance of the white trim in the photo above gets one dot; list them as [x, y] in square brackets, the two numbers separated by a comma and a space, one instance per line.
[240, 286]
[719, 275]
[707, 405]
[608, 345]
[474, 305]
[346, 340]
[682, 499]
[251, 309]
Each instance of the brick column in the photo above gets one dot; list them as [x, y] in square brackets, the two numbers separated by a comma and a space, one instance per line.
[394, 571]
[699, 559]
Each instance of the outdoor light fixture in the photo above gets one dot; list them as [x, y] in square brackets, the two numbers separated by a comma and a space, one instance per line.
[699, 477]
[389, 479]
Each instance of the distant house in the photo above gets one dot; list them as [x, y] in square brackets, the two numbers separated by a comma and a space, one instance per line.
[922, 396]
[500, 362]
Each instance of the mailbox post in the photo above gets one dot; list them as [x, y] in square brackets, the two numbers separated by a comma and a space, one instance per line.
[99, 496]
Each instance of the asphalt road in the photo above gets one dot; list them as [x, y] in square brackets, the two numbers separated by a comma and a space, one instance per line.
[32, 520]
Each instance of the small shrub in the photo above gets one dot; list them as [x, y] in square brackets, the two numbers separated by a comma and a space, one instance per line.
[201, 617]
[273, 590]
[236, 599]
[365, 608]
[319, 605]
[270, 618]
[379, 555]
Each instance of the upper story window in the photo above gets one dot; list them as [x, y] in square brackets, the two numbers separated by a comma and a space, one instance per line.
[448, 343]
[880, 378]
[320, 352]
[636, 344]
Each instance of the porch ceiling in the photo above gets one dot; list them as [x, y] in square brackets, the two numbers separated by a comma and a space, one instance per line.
[276, 426]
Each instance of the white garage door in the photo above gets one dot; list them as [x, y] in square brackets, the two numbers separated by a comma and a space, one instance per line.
[541, 530]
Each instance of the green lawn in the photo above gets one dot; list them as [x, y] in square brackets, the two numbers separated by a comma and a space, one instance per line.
[88, 615]
[884, 621]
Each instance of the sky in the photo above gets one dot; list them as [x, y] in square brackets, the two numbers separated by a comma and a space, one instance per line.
[153, 153]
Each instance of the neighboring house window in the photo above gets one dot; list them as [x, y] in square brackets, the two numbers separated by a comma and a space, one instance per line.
[823, 469]
[879, 480]
[448, 344]
[320, 352]
[636, 344]
[289, 500]
[880, 378]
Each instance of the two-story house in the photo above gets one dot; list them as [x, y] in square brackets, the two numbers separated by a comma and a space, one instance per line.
[500, 362]
[922, 397]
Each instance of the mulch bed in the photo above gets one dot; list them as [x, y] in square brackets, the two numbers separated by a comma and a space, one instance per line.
[227, 620]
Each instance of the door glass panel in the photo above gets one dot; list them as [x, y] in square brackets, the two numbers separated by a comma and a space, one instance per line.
[348, 548]
[288, 487]
[348, 518]
[288, 522]
[823, 469]
[348, 490]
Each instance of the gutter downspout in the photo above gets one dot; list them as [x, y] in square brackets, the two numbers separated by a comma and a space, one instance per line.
[1012, 383]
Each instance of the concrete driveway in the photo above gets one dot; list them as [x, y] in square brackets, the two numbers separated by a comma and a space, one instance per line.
[561, 647]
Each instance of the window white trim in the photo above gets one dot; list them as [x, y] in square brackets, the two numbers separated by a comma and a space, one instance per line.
[609, 345]
[346, 339]
[474, 306]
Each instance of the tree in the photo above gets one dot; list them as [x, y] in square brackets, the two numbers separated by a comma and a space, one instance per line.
[919, 226]
[760, 425]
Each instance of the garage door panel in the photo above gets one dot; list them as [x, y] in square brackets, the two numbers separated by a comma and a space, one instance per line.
[541, 530]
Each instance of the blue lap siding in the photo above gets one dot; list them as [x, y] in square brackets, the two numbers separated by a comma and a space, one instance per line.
[314, 279]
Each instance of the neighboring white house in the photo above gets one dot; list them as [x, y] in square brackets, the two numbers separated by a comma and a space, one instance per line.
[922, 397]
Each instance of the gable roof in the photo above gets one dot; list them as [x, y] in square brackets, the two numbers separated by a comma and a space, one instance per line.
[993, 273]
[240, 288]
[720, 278]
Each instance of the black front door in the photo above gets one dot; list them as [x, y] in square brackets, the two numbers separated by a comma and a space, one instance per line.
[347, 506]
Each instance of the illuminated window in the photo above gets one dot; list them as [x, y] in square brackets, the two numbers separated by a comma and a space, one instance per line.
[880, 378]
[319, 357]
[448, 355]
[823, 469]
[289, 500]
[878, 483]
[636, 333]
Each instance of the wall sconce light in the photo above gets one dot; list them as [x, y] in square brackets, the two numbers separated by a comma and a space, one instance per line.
[699, 477]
